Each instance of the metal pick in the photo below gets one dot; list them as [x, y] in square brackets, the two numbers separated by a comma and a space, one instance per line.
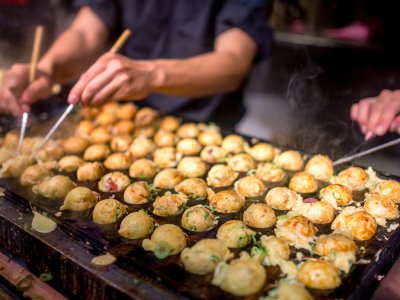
[22, 131]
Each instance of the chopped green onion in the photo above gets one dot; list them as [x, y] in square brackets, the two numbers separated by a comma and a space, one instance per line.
[162, 250]
[45, 277]
[25, 283]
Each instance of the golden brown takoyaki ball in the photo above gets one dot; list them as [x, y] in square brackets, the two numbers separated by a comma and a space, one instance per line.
[169, 123]
[54, 187]
[75, 145]
[35, 174]
[319, 212]
[108, 211]
[165, 157]
[126, 111]
[263, 152]
[168, 179]
[227, 201]
[137, 193]
[213, 154]
[233, 143]
[117, 161]
[289, 160]
[242, 277]
[235, 234]
[354, 178]
[121, 143]
[146, 131]
[336, 195]
[84, 128]
[283, 198]
[169, 204]
[113, 182]
[142, 168]
[5, 154]
[123, 127]
[141, 147]
[298, 231]
[195, 188]
[270, 172]
[136, 225]
[320, 166]
[30, 144]
[166, 240]
[145, 116]
[319, 274]
[390, 189]
[79, 199]
[188, 146]
[105, 118]
[90, 171]
[241, 162]
[204, 256]
[97, 152]
[250, 186]
[286, 290]
[89, 112]
[192, 166]
[277, 249]
[109, 107]
[303, 182]
[188, 130]
[14, 166]
[381, 206]
[165, 138]
[100, 135]
[198, 219]
[50, 151]
[259, 215]
[210, 137]
[11, 139]
[221, 176]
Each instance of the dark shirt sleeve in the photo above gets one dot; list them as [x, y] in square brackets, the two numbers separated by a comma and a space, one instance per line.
[250, 16]
[104, 9]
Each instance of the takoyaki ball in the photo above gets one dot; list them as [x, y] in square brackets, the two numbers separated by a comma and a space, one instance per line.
[320, 166]
[5, 154]
[105, 118]
[79, 199]
[89, 171]
[194, 188]
[109, 107]
[210, 137]
[204, 256]
[221, 176]
[50, 151]
[337, 249]
[188, 146]
[168, 179]
[145, 116]
[84, 128]
[303, 182]
[227, 201]
[169, 205]
[298, 231]
[97, 152]
[165, 157]
[166, 240]
[35, 174]
[165, 138]
[137, 193]
[241, 162]
[319, 274]
[390, 189]
[213, 154]
[235, 234]
[121, 143]
[11, 139]
[75, 145]
[142, 168]
[242, 277]
[123, 127]
[318, 212]
[113, 182]
[136, 225]
[169, 123]
[108, 211]
[141, 147]
[14, 166]
[277, 249]
[100, 135]
[89, 112]
[54, 187]
[29, 144]
[250, 186]
[259, 215]
[354, 178]
[289, 160]
[270, 172]
[147, 131]
[192, 166]
[198, 219]
[336, 195]
[117, 161]
[233, 143]
[263, 152]
[188, 130]
[126, 111]
[282, 198]
[381, 206]
[286, 291]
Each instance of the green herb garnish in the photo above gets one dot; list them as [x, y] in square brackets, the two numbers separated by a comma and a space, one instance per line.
[45, 277]
[162, 250]
[25, 283]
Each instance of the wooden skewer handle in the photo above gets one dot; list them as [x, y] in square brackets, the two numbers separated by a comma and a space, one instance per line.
[35, 52]
[121, 41]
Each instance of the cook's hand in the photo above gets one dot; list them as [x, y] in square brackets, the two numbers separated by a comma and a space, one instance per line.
[17, 94]
[114, 77]
[378, 115]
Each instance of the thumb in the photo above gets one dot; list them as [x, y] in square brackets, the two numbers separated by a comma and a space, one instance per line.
[39, 89]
